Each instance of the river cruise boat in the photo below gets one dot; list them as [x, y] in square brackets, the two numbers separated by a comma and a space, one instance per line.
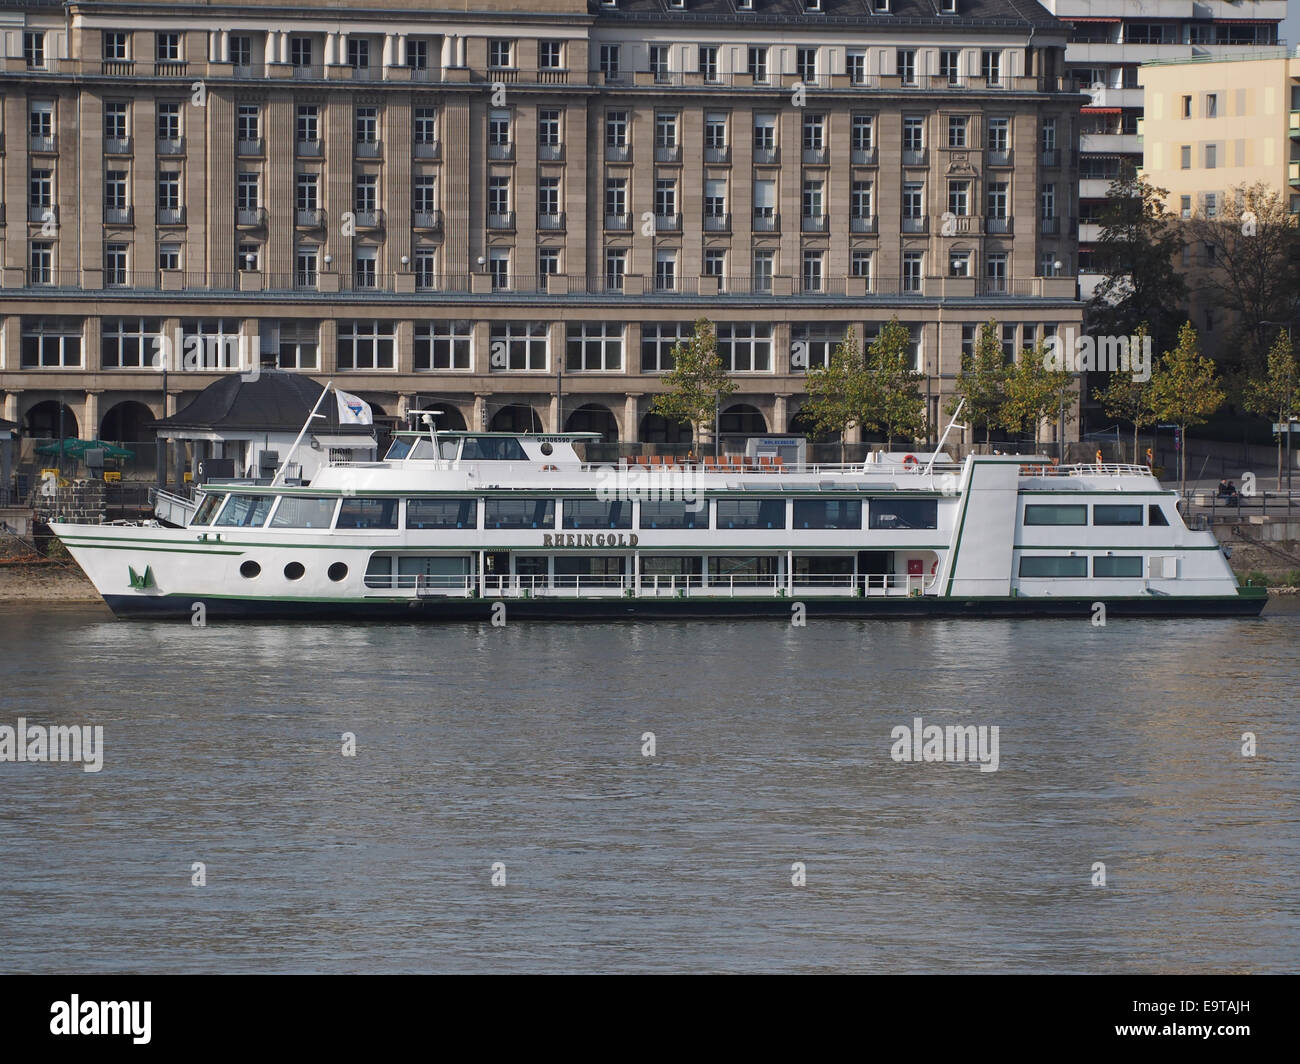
[476, 526]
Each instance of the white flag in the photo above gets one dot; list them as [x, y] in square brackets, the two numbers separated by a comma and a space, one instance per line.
[353, 410]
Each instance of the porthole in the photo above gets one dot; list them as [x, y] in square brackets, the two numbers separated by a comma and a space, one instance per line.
[294, 571]
[547, 449]
[250, 569]
[338, 571]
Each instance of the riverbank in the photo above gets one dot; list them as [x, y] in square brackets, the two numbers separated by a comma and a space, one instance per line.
[42, 580]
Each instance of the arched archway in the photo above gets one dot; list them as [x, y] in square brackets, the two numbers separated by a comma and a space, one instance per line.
[515, 418]
[592, 417]
[802, 424]
[43, 421]
[127, 422]
[741, 419]
[655, 428]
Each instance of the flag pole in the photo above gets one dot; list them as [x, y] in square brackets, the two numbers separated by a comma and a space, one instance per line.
[306, 424]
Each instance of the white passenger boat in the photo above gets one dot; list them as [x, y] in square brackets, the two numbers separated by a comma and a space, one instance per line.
[451, 524]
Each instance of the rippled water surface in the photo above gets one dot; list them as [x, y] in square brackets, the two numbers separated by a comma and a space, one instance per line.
[523, 745]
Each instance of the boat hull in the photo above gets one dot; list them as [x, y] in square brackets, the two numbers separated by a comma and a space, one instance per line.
[486, 610]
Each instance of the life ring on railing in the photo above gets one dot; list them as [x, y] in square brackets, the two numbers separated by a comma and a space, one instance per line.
[910, 462]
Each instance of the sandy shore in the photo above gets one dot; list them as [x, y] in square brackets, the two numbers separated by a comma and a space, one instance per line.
[42, 581]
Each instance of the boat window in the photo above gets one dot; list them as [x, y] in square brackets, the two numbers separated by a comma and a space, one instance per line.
[904, 513]
[1111, 566]
[423, 451]
[675, 514]
[751, 513]
[433, 570]
[295, 512]
[493, 449]
[1056, 515]
[741, 570]
[583, 565]
[519, 513]
[245, 511]
[1156, 515]
[670, 565]
[597, 513]
[441, 513]
[827, 513]
[1053, 565]
[367, 513]
[400, 448]
[379, 573]
[1117, 515]
[207, 508]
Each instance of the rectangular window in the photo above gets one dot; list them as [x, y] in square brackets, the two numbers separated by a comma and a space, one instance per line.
[756, 66]
[745, 347]
[1047, 514]
[991, 66]
[616, 129]
[549, 55]
[116, 184]
[913, 133]
[1117, 515]
[115, 46]
[168, 48]
[906, 58]
[40, 119]
[674, 515]
[305, 266]
[518, 513]
[596, 513]
[864, 133]
[665, 270]
[751, 513]
[51, 343]
[367, 125]
[855, 64]
[548, 128]
[365, 345]
[169, 256]
[306, 192]
[425, 130]
[827, 513]
[814, 132]
[658, 339]
[300, 51]
[245, 511]
[615, 268]
[812, 271]
[806, 64]
[130, 343]
[297, 512]
[709, 62]
[213, 342]
[248, 122]
[959, 198]
[522, 344]
[715, 262]
[358, 53]
[949, 65]
[913, 265]
[298, 346]
[1045, 566]
[115, 274]
[169, 121]
[116, 126]
[957, 126]
[1110, 566]
[764, 269]
[860, 266]
[904, 513]
[609, 61]
[999, 135]
[593, 346]
[441, 513]
[365, 267]
[500, 54]
[241, 50]
[764, 132]
[363, 513]
[442, 345]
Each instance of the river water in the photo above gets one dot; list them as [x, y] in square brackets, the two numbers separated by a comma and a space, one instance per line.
[523, 747]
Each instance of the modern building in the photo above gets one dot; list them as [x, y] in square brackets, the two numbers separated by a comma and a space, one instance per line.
[1212, 126]
[514, 213]
[1109, 40]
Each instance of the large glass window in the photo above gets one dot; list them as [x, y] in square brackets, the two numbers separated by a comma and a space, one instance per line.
[1053, 565]
[519, 513]
[367, 513]
[441, 513]
[751, 513]
[1056, 515]
[827, 513]
[658, 339]
[365, 345]
[208, 507]
[442, 345]
[245, 511]
[745, 346]
[129, 343]
[518, 345]
[295, 512]
[493, 449]
[904, 513]
[595, 345]
[740, 571]
[1103, 566]
[51, 342]
[674, 515]
[1117, 515]
[596, 513]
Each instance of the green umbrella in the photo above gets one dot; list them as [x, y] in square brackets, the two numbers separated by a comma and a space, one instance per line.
[78, 448]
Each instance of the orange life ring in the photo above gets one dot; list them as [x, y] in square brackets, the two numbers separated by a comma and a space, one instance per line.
[910, 461]
[934, 566]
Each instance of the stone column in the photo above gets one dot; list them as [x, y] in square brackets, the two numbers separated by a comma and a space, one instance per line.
[90, 416]
[223, 54]
[780, 412]
[631, 417]
[11, 405]
[401, 49]
[479, 422]
[331, 48]
[388, 50]
[270, 52]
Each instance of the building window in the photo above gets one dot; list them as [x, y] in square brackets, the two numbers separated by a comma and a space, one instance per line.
[594, 346]
[856, 66]
[424, 264]
[425, 129]
[168, 48]
[609, 60]
[812, 271]
[40, 119]
[210, 342]
[745, 347]
[814, 132]
[116, 186]
[1185, 156]
[756, 66]
[715, 132]
[912, 266]
[1047, 135]
[913, 200]
[548, 128]
[366, 267]
[1211, 105]
[959, 263]
[957, 125]
[499, 129]
[764, 133]
[997, 199]
[298, 346]
[818, 342]
[364, 344]
[615, 197]
[665, 130]
[169, 122]
[709, 62]
[241, 50]
[616, 129]
[358, 53]
[991, 66]
[34, 49]
[950, 65]
[863, 133]
[913, 133]
[1047, 201]
[41, 262]
[115, 121]
[306, 192]
[367, 125]
[308, 123]
[860, 265]
[300, 51]
[365, 193]
[764, 269]
[548, 263]
[247, 258]
[615, 268]
[666, 199]
[999, 135]
[658, 340]
[806, 64]
[959, 198]
[247, 191]
[501, 54]
[1211, 156]
[50, 343]
[1187, 107]
[305, 266]
[443, 345]
[995, 272]
[115, 275]
[715, 262]
[499, 267]
[1184, 207]
[169, 256]
[549, 55]
[115, 46]
[499, 194]
[131, 343]
[715, 198]
[764, 203]
[1211, 204]
[813, 203]
[519, 345]
[665, 270]
[906, 59]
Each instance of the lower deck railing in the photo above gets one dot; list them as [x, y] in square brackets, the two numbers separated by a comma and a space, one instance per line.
[652, 586]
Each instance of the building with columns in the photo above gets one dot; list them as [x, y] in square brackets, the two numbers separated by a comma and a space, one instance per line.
[514, 213]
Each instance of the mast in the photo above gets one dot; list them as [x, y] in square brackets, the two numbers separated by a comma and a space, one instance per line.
[279, 473]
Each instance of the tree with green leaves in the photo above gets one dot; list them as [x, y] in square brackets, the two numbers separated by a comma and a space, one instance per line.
[1186, 390]
[1276, 392]
[697, 383]
[982, 381]
[1137, 253]
[1129, 399]
[1035, 392]
[839, 392]
[899, 406]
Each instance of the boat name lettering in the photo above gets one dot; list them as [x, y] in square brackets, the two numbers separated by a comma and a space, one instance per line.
[590, 539]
